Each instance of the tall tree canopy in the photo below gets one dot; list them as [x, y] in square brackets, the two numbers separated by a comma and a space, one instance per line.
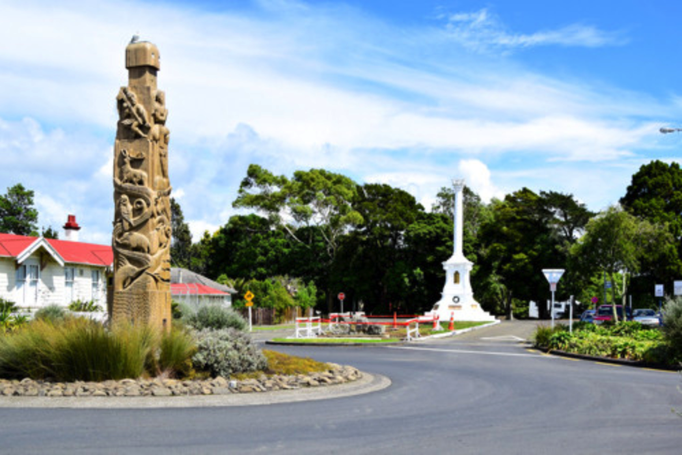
[656, 195]
[17, 213]
[313, 207]
[181, 242]
[316, 198]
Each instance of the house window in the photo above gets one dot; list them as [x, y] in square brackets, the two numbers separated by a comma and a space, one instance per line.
[95, 285]
[456, 277]
[69, 276]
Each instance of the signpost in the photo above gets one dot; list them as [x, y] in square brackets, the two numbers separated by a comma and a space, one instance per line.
[677, 287]
[341, 297]
[249, 297]
[659, 292]
[553, 276]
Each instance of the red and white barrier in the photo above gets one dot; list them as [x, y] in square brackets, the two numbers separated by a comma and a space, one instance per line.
[309, 330]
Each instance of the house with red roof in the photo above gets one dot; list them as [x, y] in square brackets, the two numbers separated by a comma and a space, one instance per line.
[36, 272]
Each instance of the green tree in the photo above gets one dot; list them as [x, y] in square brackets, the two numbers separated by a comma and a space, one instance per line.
[181, 242]
[249, 247]
[49, 233]
[516, 242]
[616, 241]
[17, 213]
[376, 266]
[312, 205]
[655, 194]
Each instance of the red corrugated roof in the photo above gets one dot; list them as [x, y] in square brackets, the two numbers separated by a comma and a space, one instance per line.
[194, 289]
[83, 253]
[12, 245]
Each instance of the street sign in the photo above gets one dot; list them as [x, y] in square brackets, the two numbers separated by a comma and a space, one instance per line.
[249, 303]
[607, 284]
[341, 296]
[249, 295]
[595, 299]
[553, 275]
[659, 290]
[678, 287]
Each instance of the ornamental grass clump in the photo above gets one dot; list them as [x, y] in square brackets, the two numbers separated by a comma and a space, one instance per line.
[175, 353]
[225, 352]
[215, 317]
[79, 349]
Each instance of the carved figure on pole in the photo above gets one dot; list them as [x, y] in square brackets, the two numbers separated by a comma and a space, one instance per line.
[142, 228]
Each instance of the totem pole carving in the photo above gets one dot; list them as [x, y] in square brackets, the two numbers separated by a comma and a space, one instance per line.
[142, 228]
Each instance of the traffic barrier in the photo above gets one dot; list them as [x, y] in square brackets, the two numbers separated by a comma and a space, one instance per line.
[451, 327]
[412, 332]
[308, 330]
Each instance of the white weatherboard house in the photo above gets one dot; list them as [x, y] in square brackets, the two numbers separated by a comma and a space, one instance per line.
[36, 272]
[457, 300]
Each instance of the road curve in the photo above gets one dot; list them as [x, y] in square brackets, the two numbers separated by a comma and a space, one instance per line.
[485, 393]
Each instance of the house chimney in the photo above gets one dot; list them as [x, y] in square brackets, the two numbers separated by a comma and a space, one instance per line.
[71, 229]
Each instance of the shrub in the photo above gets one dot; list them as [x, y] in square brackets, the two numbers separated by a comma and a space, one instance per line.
[225, 352]
[672, 323]
[52, 313]
[88, 306]
[279, 363]
[7, 305]
[180, 310]
[543, 334]
[215, 317]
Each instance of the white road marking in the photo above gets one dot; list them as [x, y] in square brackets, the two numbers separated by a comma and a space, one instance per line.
[459, 351]
[504, 337]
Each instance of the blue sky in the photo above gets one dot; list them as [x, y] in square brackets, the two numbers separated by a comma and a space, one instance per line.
[563, 96]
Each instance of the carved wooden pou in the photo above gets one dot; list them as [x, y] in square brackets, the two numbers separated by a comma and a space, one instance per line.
[142, 216]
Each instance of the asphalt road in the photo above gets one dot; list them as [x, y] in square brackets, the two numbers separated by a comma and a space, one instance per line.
[483, 393]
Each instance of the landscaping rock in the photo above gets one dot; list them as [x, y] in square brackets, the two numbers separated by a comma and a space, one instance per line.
[158, 387]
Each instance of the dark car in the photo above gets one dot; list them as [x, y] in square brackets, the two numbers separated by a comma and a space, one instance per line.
[605, 313]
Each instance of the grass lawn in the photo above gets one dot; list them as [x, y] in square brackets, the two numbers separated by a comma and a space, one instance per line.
[427, 329]
[265, 328]
[335, 340]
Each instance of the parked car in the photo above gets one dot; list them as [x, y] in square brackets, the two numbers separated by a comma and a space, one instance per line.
[587, 316]
[605, 313]
[646, 317]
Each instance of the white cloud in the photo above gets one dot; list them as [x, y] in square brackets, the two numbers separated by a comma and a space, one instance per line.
[304, 86]
[482, 30]
[478, 178]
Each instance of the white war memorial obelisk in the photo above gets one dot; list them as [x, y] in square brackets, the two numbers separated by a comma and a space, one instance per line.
[458, 298]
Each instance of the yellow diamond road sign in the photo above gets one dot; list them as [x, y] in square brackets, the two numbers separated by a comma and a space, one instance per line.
[249, 295]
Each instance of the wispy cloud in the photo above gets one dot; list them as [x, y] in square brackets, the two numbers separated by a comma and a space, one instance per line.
[291, 85]
[482, 30]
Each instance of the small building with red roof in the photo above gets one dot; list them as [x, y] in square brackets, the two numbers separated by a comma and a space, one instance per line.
[196, 290]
